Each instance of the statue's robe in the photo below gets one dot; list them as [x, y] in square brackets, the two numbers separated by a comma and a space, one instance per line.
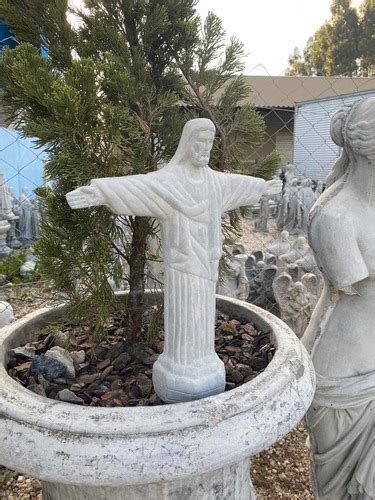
[342, 437]
[190, 214]
[341, 419]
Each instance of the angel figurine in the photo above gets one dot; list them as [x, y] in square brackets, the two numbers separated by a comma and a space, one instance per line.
[296, 300]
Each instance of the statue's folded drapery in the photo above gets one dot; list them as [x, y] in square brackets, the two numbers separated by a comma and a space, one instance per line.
[341, 423]
[190, 214]
[190, 211]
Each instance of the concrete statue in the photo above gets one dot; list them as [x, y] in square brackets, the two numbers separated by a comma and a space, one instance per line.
[264, 213]
[188, 198]
[281, 246]
[234, 282]
[289, 217]
[296, 300]
[296, 251]
[14, 231]
[340, 336]
[25, 223]
[6, 212]
[307, 199]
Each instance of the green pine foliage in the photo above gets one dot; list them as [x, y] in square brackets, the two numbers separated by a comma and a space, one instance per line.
[343, 46]
[217, 89]
[111, 100]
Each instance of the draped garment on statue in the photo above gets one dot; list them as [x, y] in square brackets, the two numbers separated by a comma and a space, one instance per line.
[190, 213]
[341, 423]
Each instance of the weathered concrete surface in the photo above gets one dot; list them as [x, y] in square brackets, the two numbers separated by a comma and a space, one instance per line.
[229, 482]
[341, 420]
[98, 447]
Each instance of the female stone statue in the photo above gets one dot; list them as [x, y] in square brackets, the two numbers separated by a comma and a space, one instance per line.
[340, 337]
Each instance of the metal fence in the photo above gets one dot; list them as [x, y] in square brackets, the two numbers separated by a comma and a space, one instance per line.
[271, 264]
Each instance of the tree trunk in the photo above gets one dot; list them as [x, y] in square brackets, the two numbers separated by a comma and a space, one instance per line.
[137, 263]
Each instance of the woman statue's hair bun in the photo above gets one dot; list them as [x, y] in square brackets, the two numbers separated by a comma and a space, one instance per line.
[338, 124]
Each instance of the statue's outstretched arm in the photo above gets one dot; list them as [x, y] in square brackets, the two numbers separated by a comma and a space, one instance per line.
[85, 196]
[243, 190]
[141, 195]
[273, 187]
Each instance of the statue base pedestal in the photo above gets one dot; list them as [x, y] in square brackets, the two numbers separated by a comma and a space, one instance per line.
[176, 383]
[232, 482]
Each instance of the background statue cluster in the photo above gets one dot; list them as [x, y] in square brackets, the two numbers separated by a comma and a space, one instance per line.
[291, 208]
[298, 198]
[19, 219]
[283, 279]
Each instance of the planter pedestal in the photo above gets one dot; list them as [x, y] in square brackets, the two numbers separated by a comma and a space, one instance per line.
[194, 450]
[232, 481]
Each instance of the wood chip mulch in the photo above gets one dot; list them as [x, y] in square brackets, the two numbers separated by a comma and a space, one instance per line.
[110, 373]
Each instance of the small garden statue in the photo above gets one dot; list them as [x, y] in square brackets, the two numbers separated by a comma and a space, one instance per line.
[234, 282]
[296, 300]
[189, 199]
[264, 213]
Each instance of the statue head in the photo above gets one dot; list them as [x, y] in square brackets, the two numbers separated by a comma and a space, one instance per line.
[300, 243]
[284, 235]
[195, 144]
[359, 128]
[353, 129]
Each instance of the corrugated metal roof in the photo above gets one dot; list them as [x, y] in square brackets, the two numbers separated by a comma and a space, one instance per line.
[286, 91]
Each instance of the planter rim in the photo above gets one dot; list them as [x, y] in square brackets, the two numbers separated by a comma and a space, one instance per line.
[289, 379]
[124, 420]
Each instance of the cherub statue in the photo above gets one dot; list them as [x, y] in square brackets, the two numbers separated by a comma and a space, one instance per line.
[296, 300]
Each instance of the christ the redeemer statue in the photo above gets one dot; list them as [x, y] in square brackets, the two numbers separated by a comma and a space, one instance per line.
[188, 198]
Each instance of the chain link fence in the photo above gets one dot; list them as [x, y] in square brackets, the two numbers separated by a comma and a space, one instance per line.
[271, 264]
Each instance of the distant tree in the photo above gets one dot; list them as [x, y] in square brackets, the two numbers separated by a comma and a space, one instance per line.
[298, 65]
[367, 38]
[343, 40]
[344, 45]
[318, 53]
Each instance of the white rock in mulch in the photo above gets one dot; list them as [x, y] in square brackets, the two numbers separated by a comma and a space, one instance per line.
[23, 353]
[78, 357]
[68, 396]
[64, 357]
[60, 339]
[6, 313]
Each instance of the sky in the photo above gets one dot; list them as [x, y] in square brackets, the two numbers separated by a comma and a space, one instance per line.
[269, 29]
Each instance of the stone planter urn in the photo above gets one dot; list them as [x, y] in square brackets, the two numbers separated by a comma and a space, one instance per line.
[192, 450]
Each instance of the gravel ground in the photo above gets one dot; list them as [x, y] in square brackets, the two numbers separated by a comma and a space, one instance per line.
[252, 240]
[281, 472]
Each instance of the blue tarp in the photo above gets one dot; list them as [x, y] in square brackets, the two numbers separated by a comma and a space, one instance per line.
[21, 161]
[6, 37]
